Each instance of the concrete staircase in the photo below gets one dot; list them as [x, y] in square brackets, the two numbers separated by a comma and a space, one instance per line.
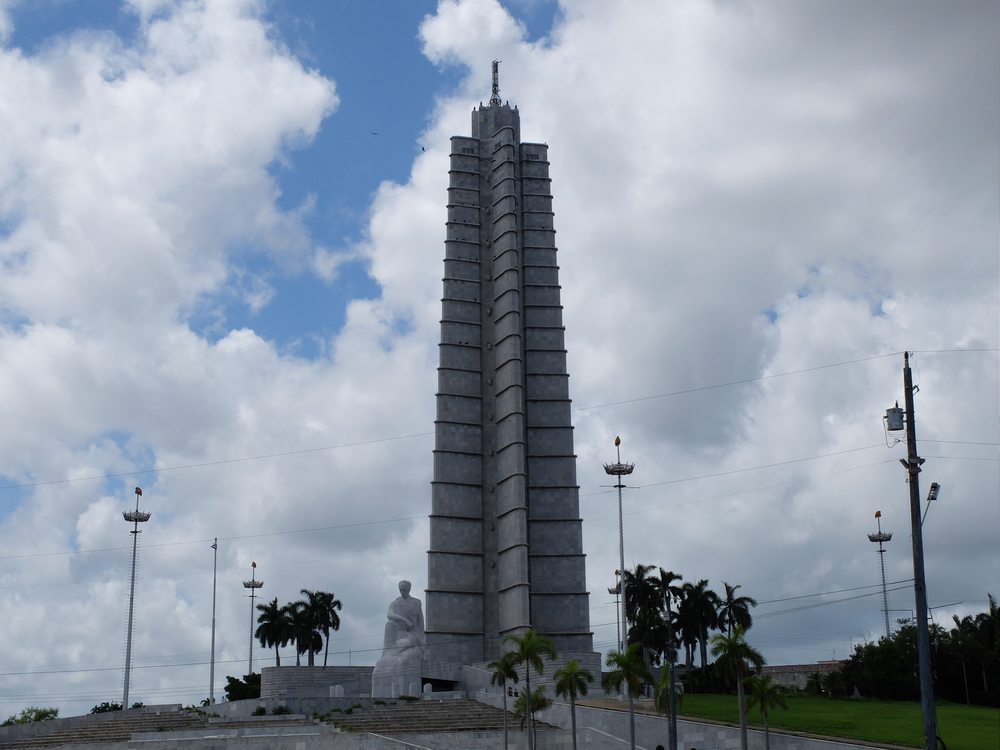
[426, 717]
[114, 729]
[120, 729]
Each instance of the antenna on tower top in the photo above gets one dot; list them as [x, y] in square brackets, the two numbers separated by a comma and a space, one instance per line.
[495, 98]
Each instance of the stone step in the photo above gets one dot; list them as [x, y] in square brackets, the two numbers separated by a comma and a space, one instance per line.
[122, 729]
[424, 717]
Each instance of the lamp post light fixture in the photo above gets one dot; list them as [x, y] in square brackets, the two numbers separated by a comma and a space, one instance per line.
[253, 584]
[619, 470]
[134, 517]
[616, 591]
[880, 537]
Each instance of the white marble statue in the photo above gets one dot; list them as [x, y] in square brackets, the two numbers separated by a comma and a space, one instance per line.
[398, 671]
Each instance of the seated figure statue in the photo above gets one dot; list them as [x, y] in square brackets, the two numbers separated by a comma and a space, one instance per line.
[398, 671]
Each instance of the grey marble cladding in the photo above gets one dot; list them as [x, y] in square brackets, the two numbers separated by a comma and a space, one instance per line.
[548, 413]
[459, 383]
[557, 537]
[457, 535]
[504, 439]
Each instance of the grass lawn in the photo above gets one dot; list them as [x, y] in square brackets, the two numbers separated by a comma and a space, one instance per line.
[961, 727]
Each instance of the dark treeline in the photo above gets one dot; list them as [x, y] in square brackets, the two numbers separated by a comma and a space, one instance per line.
[965, 663]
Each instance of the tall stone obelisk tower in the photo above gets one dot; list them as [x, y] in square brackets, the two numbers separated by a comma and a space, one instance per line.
[506, 546]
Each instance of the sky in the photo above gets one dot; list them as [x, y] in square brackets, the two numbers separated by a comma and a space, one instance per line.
[221, 246]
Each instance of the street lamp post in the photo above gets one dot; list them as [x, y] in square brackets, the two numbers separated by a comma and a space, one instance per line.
[882, 537]
[134, 517]
[619, 470]
[253, 584]
[211, 671]
[617, 592]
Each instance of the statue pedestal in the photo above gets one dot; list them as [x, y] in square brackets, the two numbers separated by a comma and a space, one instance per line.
[395, 676]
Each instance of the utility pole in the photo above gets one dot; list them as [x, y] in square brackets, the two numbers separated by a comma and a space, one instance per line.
[912, 464]
[672, 726]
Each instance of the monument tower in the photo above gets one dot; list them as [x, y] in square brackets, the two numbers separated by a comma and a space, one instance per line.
[506, 544]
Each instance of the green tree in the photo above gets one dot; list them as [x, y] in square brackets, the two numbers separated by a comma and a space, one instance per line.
[628, 673]
[528, 648]
[32, 714]
[572, 681]
[644, 613]
[737, 659]
[106, 707]
[814, 683]
[735, 610]
[274, 627]
[248, 687]
[670, 593]
[327, 619]
[661, 694]
[308, 635]
[764, 693]
[538, 701]
[503, 670]
[698, 608]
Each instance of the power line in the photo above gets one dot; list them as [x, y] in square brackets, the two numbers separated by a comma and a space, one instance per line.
[221, 462]
[142, 472]
[734, 382]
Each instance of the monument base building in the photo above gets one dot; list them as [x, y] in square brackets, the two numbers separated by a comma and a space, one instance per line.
[506, 544]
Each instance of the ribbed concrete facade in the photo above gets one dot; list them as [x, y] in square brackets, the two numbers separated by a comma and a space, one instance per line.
[506, 546]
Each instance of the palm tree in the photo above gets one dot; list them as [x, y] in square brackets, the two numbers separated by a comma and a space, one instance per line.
[307, 636]
[628, 670]
[327, 618]
[503, 670]
[274, 628]
[662, 693]
[667, 590]
[733, 655]
[699, 605]
[766, 694]
[528, 648]
[644, 610]
[539, 702]
[572, 681]
[735, 610]
[814, 683]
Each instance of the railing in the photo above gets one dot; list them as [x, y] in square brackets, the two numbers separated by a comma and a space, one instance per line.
[393, 742]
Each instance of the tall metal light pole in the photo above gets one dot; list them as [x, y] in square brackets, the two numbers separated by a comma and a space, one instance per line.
[253, 584]
[912, 465]
[134, 517]
[880, 537]
[211, 671]
[619, 470]
[617, 592]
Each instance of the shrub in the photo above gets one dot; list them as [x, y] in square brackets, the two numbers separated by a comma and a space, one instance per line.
[32, 714]
[259, 711]
[106, 707]
[279, 710]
